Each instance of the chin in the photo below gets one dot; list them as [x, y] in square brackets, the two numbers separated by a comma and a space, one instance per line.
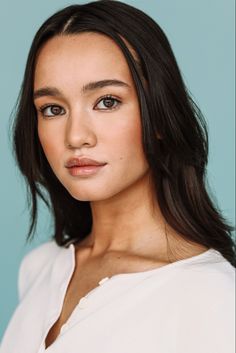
[88, 195]
[96, 192]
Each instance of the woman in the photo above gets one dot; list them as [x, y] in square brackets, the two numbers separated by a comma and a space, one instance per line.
[108, 136]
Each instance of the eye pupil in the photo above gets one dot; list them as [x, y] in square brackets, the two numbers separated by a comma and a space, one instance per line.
[108, 102]
[55, 110]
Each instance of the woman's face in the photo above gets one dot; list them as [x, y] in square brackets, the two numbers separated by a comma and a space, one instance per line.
[81, 118]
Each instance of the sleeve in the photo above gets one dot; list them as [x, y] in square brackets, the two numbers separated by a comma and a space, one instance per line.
[22, 278]
[32, 263]
[208, 314]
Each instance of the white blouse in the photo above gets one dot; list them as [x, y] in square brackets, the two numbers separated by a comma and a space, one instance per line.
[184, 307]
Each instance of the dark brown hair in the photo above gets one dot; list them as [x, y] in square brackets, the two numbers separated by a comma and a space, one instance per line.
[177, 160]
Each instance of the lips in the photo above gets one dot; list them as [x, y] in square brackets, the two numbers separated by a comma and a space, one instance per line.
[82, 162]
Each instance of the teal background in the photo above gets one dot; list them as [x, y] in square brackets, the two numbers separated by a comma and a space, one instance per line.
[202, 35]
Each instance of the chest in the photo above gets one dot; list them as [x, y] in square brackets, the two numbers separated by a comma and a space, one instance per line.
[78, 287]
[85, 279]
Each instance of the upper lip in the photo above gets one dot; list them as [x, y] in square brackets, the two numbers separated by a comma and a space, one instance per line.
[82, 161]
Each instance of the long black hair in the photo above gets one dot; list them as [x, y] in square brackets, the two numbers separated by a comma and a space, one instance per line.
[174, 132]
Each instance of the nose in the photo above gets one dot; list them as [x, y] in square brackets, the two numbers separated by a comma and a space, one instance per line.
[79, 131]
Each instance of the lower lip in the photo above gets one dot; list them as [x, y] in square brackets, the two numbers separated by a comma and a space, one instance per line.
[85, 171]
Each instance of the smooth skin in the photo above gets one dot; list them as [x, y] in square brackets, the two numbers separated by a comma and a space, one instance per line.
[128, 232]
[82, 124]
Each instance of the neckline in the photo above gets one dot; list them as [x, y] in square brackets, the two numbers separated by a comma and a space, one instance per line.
[164, 268]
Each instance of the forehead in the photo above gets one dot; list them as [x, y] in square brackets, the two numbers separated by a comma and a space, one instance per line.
[84, 55]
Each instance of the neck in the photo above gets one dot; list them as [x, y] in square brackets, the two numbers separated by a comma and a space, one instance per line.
[128, 221]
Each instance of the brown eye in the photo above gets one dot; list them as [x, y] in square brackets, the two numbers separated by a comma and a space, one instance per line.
[56, 110]
[52, 110]
[108, 102]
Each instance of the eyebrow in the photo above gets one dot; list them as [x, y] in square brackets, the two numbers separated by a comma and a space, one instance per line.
[91, 86]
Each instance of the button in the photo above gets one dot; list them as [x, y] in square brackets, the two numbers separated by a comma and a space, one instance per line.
[103, 280]
[83, 303]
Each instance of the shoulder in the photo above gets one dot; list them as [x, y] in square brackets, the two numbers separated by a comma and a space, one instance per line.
[209, 278]
[205, 296]
[34, 262]
[202, 279]
[210, 271]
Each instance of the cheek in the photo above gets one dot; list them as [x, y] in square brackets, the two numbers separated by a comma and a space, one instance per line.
[126, 149]
[50, 142]
[129, 138]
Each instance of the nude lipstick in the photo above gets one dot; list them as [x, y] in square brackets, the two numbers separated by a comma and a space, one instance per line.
[81, 166]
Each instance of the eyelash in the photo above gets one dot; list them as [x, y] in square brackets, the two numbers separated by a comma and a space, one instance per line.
[110, 97]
